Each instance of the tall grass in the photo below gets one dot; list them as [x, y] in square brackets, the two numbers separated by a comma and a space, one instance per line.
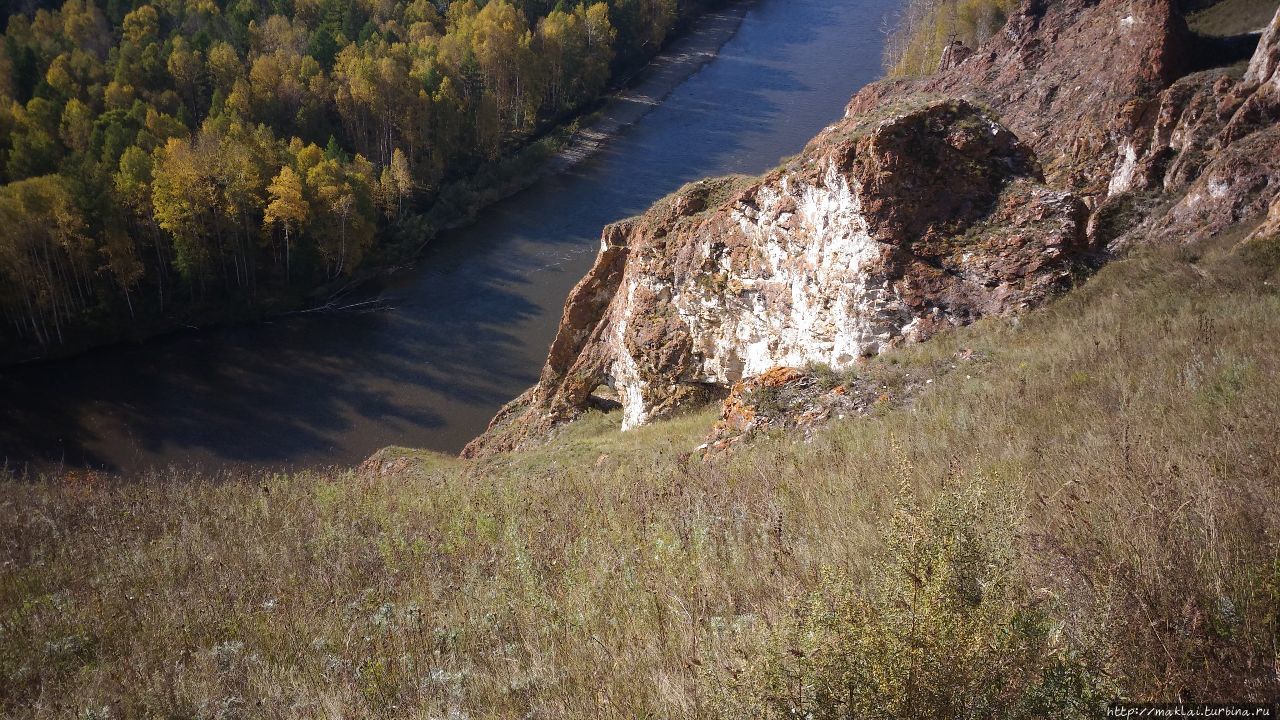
[946, 629]
[1125, 439]
[1233, 17]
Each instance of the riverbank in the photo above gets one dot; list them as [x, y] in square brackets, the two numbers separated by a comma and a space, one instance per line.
[465, 329]
[644, 91]
[569, 143]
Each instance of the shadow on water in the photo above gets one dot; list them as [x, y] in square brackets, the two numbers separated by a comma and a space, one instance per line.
[468, 328]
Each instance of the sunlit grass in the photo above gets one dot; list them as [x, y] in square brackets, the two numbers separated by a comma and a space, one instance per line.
[1233, 17]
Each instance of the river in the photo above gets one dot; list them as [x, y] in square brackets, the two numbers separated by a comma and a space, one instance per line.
[465, 330]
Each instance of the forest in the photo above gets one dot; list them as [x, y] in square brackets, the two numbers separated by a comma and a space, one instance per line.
[914, 46]
[171, 159]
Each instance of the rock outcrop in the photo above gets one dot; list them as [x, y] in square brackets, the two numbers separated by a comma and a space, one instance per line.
[1209, 144]
[783, 397]
[1078, 130]
[1264, 66]
[1059, 75]
[793, 399]
[953, 54]
[927, 214]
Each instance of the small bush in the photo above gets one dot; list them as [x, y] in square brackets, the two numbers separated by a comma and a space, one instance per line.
[946, 629]
[827, 377]
[1262, 255]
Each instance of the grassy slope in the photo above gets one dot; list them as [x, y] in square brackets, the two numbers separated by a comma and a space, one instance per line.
[1233, 17]
[610, 575]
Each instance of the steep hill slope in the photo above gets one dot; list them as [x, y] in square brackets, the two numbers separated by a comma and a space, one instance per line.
[1128, 432]
[983, 189]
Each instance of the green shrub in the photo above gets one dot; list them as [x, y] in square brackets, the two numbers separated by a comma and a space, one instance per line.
[946, 628]
[1262, 255]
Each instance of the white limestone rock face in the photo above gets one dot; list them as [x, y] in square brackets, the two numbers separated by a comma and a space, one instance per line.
[803, 295]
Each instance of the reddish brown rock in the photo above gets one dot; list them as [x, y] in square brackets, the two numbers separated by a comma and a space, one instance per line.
[786, 398]
[1269, 229]
[567, 378]
[1060, 75]
[954, 54]
[1210, 144]
[1264, 66]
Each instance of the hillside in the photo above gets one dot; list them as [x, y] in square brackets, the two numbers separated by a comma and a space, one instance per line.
[1130, 431]
[1033, 470]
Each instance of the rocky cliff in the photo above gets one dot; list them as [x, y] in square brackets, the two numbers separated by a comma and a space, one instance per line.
[1207, 149]
[1060, 74]
[978, 191]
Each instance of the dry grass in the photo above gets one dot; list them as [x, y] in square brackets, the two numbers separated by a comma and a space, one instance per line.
[1233, 17]
[1133, 424]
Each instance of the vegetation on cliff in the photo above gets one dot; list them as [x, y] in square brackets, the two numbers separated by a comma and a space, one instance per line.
[162, 159]
[1084, 506]
[927, 26]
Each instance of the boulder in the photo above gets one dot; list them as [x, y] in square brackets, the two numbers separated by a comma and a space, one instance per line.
[1059, 75]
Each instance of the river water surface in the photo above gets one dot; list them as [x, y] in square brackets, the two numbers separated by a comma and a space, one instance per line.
[469, 327]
